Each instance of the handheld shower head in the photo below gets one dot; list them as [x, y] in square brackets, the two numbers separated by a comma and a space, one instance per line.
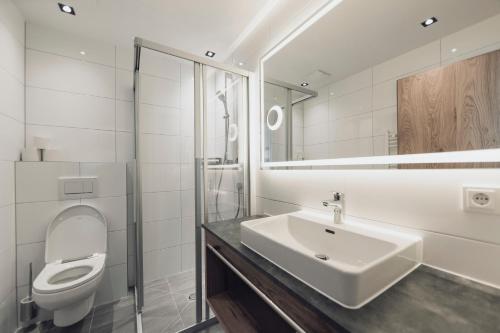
[221, 96]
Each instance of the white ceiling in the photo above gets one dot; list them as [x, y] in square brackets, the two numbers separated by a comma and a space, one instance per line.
[358, 34]
[190, 25]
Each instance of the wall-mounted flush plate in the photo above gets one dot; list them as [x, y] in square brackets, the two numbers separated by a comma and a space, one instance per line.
[481, 200]
[77, 187]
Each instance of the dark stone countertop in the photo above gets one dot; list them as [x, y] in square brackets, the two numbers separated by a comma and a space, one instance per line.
[427, 300]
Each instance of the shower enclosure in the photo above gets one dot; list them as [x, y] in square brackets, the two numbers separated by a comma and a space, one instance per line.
[191, 119]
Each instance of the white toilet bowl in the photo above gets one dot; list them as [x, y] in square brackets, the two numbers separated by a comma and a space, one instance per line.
[75, 255]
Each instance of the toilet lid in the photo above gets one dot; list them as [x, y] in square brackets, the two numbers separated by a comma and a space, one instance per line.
[77, 232]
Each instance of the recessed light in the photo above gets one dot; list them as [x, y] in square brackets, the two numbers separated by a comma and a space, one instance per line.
[304, 84]
[82, 52]
[241, 63]
[429, 21]
[453, 50]
[210, 54]
[66, 9]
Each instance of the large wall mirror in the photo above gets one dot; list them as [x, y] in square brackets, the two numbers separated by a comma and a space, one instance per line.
[385, 78]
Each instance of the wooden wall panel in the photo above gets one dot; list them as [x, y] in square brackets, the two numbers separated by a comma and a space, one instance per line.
[452, 108]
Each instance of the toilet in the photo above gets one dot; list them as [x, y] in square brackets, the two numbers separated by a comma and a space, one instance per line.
[75, 256]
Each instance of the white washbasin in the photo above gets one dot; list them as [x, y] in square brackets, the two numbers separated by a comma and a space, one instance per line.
[363, 261]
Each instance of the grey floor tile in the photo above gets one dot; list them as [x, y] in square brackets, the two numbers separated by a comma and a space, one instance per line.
[118, 314]
[183, 282]
[213, 329]
[162, 324]
[162, 307]
[83, 326]
[122, 326]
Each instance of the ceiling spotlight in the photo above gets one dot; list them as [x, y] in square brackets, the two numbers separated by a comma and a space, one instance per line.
[304, 84]
[66, 9]
[82, 52]
[241, 63]
[453, 50]
[210, 54]
[429, 21]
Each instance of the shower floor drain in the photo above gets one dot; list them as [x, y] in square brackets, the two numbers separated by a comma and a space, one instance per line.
[192, 297]
[322, 256]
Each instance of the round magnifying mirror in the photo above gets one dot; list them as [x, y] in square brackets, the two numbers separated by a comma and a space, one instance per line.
[233, 133]
[274, 117]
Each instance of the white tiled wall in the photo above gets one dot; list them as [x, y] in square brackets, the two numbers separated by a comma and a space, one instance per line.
[82, 103]
[424, 202]
[37, 204]
[167, 156]
[11, 142]
[352, 117]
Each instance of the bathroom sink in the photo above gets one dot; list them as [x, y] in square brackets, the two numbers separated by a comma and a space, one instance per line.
[350, 263]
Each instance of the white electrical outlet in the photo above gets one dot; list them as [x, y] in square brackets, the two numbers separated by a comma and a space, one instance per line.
[481, 200]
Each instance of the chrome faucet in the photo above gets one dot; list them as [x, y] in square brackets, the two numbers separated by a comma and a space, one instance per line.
[336, 203]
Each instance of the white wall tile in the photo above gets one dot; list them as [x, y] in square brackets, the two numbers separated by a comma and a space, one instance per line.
[188, 205]
[351, 84]
[125, 146]
[161, 234]
[188, 256]
[125, 85]
[161, 65]
[385, 95]
[33, 219]
[188, 229]
[316, 114]
[113, 285]
[12, 57]
[125, 57]
[159, 120]
[351, 148]
[472, 38]
[161, 177]
[114, 210]
[44, 70]
[417, 59]
[117, 248]
[111, 177]
[316, 134]
[187, 176]
[58, 108]
[38, 181]
[125, 116]
[351, 127]
[7, 183]
[8, 315]
[161, 205]
[69, 45]
[350, 105]
[11, 131]
[385, 120]
[316, 152]
[159, 91]
[12, 97]
[161, 263]
[157, 148]
[27, 253]
[75, 144]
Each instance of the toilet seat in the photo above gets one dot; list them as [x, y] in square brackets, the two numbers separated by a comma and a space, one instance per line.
[60, 276]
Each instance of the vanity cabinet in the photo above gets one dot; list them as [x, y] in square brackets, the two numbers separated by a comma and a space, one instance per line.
[246, 299]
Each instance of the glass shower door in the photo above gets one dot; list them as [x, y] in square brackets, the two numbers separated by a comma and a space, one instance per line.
[165, 142]
[192, 168]
[225, 110]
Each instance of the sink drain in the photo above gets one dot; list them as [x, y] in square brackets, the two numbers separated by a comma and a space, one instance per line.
[322, 256]
[192, 297]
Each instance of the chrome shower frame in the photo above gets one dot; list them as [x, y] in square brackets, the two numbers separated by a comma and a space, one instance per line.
[200, 162]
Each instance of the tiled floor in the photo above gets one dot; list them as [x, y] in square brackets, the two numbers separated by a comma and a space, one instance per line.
[117, 317]
[167, 307]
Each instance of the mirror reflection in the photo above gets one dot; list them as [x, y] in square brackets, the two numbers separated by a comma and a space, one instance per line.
[386, 77]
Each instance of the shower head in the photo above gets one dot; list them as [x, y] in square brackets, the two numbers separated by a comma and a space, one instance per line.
[221, 96]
